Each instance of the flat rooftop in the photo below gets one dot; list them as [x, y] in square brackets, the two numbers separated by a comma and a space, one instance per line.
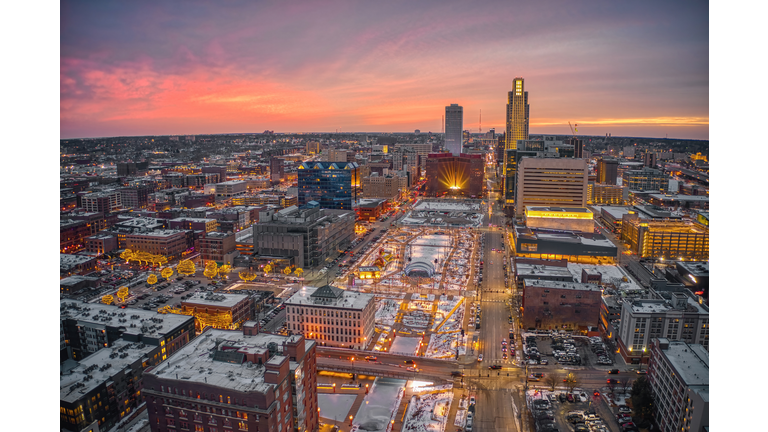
[100, 367]
[577, 286]
[135, 321]
[690, 361]
[539, 270]
[194, 361]
[66, 260]
[214, 299]
[348, 300]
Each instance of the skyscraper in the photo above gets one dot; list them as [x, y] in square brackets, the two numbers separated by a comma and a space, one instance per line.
[517, 129]
[454, 127]
[517, 114]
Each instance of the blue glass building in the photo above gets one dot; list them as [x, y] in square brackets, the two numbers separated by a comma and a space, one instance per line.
[333, 185]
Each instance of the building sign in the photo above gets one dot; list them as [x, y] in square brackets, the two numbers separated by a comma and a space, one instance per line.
[529, 247]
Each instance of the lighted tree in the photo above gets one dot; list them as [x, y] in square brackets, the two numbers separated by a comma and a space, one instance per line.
[186, 268]
[225, 269]
[247, 275]
[107, 299]
[211, 270]
[152, 279]
[167, 272]
[287, 271]
[298, 272]
[127, 254]
[122, 293]
[267, 268]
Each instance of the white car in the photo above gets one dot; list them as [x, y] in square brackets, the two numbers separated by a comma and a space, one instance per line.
[480, 358]
[471, 400]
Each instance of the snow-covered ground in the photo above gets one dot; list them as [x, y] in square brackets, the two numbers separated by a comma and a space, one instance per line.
[387, 311]
[405, 345]
[335, 406]
[383, 400]
[429, 411]
[443, 345]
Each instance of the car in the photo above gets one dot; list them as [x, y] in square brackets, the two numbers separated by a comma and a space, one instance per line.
[613, 371]
[410, 362]
[538, 374]
[480, 358]
[624, 409]
[569, 397]
[471, 400]
[504, 356]
[533, 377]
[412, 369]
[612, 381]
[642, 372]
[494, 367]
[371, 358]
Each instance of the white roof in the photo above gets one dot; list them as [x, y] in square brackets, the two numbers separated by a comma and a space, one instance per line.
[690, 361]
[349, 299]
[561, 285]
[211, 299]
[136, 321]
[96, 364]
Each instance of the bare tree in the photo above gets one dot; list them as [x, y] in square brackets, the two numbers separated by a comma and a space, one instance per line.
[625, 384]
[552, 380]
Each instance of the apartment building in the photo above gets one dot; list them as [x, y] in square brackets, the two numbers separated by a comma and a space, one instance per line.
[332, 316]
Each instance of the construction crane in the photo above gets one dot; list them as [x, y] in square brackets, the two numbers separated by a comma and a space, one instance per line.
[572, 129]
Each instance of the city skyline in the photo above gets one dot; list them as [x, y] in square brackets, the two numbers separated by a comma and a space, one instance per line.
[628, 70]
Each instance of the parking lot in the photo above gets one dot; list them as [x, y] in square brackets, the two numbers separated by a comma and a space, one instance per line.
[565, 349]
[578, 410]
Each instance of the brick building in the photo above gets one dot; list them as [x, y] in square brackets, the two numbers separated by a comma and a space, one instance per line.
[222, 311]
[168, 243]
[551, 305]
[250, 382]
[219, 247]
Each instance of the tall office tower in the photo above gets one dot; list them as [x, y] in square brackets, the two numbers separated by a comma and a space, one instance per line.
[517, 129]
[607, 171]
[578, 147]
[454, 128]
[517, 114]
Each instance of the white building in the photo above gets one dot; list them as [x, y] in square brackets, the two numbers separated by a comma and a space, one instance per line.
[332, 316]
[232, 188]
[679, 376]
[678, 318]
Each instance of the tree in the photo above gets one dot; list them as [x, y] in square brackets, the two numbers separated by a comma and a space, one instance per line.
[247, 275]
[211, 269]
[570, 382]
[225, 269]
[122, 293]
[642, 399]
[186, 267]
[287, 271]
[298, 272]
[107, 299]
[267, 268]
[167, 272]
[152, 279]
[624, 384]
[552, 380]
[127, 254]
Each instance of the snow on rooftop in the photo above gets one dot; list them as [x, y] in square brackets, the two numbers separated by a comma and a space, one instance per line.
[690, 361]
[610, 274]
[561, 285]
[214, 299]
[447, 205]
[348, 300]
[135, 321]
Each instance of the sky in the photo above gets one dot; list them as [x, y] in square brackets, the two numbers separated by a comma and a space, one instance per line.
[159, 68]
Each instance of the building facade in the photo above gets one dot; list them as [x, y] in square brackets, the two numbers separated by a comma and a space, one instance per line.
[389, 186]
[607, 171]
[556, 182]
[454, 129]
[254, 382]
[219, 247]
[551, 305]
[332, 316]
[646, 179]
[102, 202]
[221, 311]
[459, 175]
[330, 184]
[168, 243]
[677, 318]
[665, 239]
[679, 376]
[308, 236]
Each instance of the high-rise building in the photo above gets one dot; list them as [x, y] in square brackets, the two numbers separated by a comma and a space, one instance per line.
[646, 179]
[607, 171]
[517, 114]
[555, 182]
[276, 169]
[454, 126]
[460, 175]
[334, 185]
[517, 129]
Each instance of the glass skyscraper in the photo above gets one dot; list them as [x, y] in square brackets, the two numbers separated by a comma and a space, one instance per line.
[517, 129]
[333, 185]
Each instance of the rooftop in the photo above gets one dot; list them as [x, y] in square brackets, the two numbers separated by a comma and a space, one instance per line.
[195, 361]
[135, 321]
[67, 261]
[209, 298]
[690, 361]
[99, 367]
[542, 270]
[578, 286]
[342, 298]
